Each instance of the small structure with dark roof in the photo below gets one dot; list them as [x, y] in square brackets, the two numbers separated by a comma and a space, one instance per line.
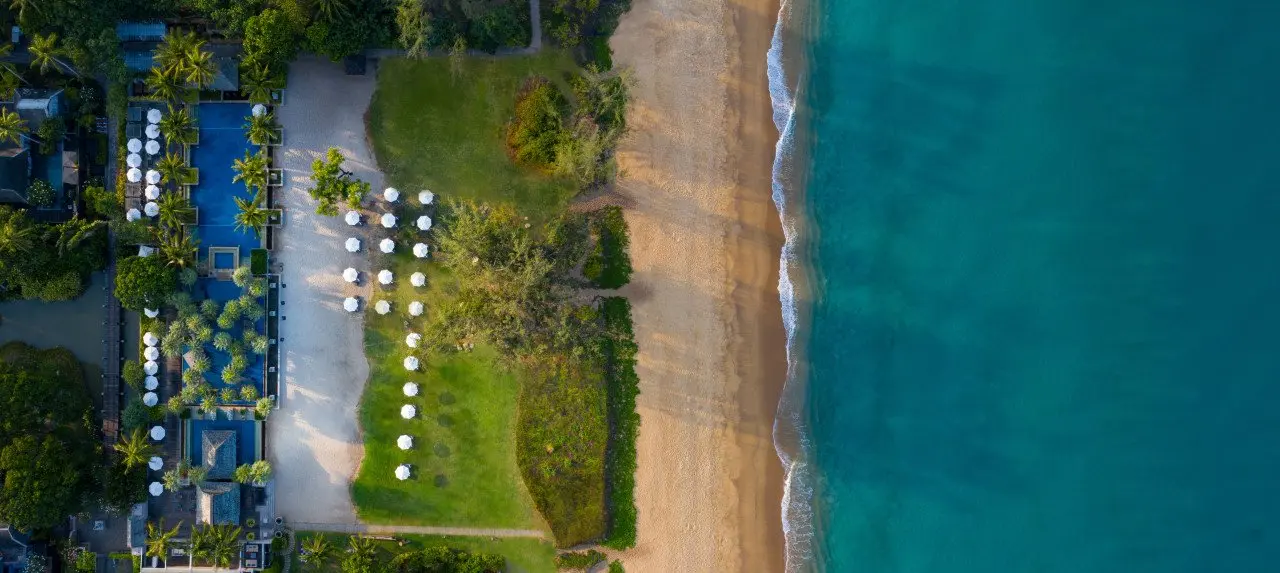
[15, 173]
[218, 503]
[219, 453]
[33, 105]
[13, 545]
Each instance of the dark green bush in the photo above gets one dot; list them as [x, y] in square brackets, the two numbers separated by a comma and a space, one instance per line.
[258, 262]
[100, 203]
[133, 375]
[579, 560]
[609, 264]
[616, 567]
[40, 193]
[623, 386]
[135, 415]
[538, 125]
[441, 558]
[144, 282]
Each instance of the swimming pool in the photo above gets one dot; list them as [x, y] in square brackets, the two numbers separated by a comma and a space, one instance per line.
[223, 291]
[222, 141]
[248, 438]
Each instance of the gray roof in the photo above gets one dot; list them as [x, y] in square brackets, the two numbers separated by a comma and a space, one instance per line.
[136, 527]
[135, 31]
[15, 173]
[218, 503]
[227, 77]
[219, 453]
[35, 104]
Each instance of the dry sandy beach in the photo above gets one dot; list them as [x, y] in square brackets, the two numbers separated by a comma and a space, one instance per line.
[705, 245]
[315, 441]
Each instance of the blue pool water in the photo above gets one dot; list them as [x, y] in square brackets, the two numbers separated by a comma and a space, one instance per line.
[1042, 335]
[222, 141]
[246, 437]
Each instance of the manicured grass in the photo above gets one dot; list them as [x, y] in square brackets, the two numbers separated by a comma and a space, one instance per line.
[432, 131]
[523, 555]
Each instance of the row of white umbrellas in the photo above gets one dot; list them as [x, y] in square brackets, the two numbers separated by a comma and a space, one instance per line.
[420, 250]
[384, 307]
[391, 194]
[385, 277]
[387, 220]
[134, 175]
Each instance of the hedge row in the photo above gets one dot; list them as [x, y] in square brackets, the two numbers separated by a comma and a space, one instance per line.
[622, 385]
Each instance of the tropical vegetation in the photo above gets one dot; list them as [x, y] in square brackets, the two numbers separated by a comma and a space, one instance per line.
[332, 185]
[47, 261]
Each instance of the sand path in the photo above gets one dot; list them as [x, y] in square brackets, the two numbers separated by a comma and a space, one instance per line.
[314, 442]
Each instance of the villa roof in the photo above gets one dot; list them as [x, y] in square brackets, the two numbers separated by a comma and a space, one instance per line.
[140, 31]
[218, 503]
[227, 77]
[15, 173]
[219, 453]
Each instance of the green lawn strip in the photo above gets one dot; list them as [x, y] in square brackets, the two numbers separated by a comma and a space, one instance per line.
[431, 130]
[623, 386]
[523, 555]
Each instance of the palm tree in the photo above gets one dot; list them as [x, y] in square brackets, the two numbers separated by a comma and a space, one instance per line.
[251, 170]
[173, 169]
[263, 129]
[174, 210]
[21, 6]
[258, 82]
[200, 67]
[12, 128]
[44, 54]
[166, 84]
[216, 544]
[178, 126]
[17, 235]
[160, 540]
[171, 55]
[252, 215]
[360, 555]
[330, 10]
[134, 449]
[179, 249]
[6, 66]
[316, 551]
[71, 234]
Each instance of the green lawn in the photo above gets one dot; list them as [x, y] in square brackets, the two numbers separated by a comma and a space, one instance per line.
[434, 131]
[523, 555]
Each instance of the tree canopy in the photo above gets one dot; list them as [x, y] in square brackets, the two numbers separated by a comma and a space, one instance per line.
[332, 185]
[144, 282]
[47, 261]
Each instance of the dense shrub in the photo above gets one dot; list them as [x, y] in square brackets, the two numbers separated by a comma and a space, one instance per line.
[572, 22]
[144, 282]
[40, 193]
[616, 567]
[125, 486]
[100, 203]
[135, 415]
[442, 559]
[538, 126]
[609, 264]
[258, 262]
[45, 261]
[579, 560]
[133, 375]
[271, 38]
[623, 385]
[51, 132]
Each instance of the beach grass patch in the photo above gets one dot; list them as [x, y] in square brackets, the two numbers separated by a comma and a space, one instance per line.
[523, 555]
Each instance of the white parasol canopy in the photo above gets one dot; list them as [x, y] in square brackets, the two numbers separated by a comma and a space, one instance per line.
[146, 250]
[151, 353]
[385, 277]
[259, 110]
[151, 209]
[424, 223]
[350, 275]
[351, 304]
[157, 433]
[387, 246]
[404, 442]
[153, 115]
[353, 218]
[410, 362]
[150, 367]
[420, 250]
[418, 279]
[150, 399]
[155, 463]
[413, 339]
[382, 307]
[151, 382]
[151, 312]
[410, 389]
[153, 176]
[134, 175]
[415, 308]
[152, 192]
[150, 339]
[153, 131]
[388, 220]
[426, 197]
[135, 145]
[391, 194]
[353, 245]
[156, 488]
[133, 160]
[133, 215]
[402, 472]
[153, 147]
[407, 411]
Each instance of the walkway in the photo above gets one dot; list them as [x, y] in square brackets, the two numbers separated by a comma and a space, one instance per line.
[415, 530]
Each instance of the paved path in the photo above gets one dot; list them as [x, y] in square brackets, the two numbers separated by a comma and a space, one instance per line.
[415, 529]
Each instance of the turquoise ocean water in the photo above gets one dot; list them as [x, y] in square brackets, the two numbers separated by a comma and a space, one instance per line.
[1044, 241]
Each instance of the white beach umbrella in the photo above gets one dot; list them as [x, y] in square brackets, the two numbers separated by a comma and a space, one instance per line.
[153, 132]
[418, 279]
[153, 147]
[150, 339]
[424, 223]
[426, 197]
[150, 399]
[353, 245]
[133, 160]
[350, 275]
[391, 194]
[420, 250]
[151, 382]
[156, 488]
[402, 472]
[153, 115]
[387, 246]
[157, 433]
[413, 339]
[388, 220]
[385, 277]
[152, 192]
[134, 175]
[134, 145]
[151, 312]
[155, 463]
[351, 304]
[150, 367]
[410, 362]
[151, 353]
[153, 176]
[146, 251]
[382, 307]
[407, 411]
[404, 442]
[133, 215]
[353, 218]
[259, 110]
[410, 389]
[415, 308]
[151, 208]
